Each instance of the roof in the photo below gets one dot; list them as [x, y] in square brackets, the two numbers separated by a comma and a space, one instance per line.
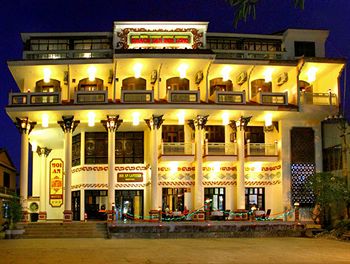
[6, 161]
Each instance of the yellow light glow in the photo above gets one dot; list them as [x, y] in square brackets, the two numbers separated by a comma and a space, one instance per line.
[268, 75]
[173, 167]
[137, 70]
[136, 119]
[181, 118]
[268, 119]
[225, 119]
[91, 119]
[92, 73]
[45, 120]
[47, 75]
[182, 70]
[311, 74]
[226, 73]
[216, 167]
[34, 146]
[256, 166]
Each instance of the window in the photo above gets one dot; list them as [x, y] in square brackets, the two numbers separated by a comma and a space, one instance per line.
[217, 197]
[129, 147]
[173, 198]
[133, 83]
[96, 148]
[255, 134]
[218, 84]
[304, 48]
[92, 44]
[7, 180]
[173, 133]
[215, 134]
[87, 85]
[76, 150]
[49, 44]
[259, 85]
[255, 197]
[332, 158]
[177, 83]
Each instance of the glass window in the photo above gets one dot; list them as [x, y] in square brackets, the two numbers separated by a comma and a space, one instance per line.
[215, 134]
[96, 148]
[304, 48]
[215, 198]
[174, 199]
[129, 147]
[6, 180]
[76, 150]
[173, 133]
[255, 197]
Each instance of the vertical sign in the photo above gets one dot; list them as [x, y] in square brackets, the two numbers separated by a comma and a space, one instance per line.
[56, 182]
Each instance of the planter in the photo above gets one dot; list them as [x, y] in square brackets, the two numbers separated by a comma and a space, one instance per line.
[14, 233]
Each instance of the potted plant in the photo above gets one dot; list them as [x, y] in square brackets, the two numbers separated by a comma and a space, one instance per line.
[15, 212]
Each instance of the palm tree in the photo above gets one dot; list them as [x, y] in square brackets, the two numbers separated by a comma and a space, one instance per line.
[246, 8]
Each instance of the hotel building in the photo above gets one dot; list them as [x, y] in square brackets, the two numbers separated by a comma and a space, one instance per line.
[158, 115]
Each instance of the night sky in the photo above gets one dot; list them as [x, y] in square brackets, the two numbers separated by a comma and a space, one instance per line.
[92, 15]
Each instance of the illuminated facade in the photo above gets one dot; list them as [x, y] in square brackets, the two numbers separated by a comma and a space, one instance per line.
[164, 115]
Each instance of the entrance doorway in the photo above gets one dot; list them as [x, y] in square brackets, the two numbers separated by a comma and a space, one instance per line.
[216, 196]
[95, 204]
[76, 205]
[173, 199]
[129, 203]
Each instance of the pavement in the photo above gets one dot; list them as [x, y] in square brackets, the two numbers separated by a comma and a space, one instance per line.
[223, 250]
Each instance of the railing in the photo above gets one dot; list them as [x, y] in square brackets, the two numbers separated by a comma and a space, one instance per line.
[137, 96]
[318, 98]
[244, 54]
[34, 98]
[273, 98]
[229, 97]
[91, 97]
[183, 97]
[177, 148]
[67, 54]
[8, 191]
[216, 149]
[261, 149]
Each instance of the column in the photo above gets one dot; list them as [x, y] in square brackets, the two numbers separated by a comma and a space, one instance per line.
[198, 124]
[82, 205]
[43, 153]
[111, 124]
[68, 126]
[154, 124]
[24, 127]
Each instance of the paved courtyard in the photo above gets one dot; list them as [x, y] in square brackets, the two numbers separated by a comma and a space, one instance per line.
[233, 250]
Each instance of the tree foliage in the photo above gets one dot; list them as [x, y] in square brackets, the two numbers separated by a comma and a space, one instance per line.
[15, 211]
[247, 8]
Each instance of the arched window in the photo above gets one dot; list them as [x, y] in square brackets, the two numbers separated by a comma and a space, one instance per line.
[305, 86]
[260, 85]
[133, 83]
[87, 85]
[177, 84]
[218, 84]
[47, 87]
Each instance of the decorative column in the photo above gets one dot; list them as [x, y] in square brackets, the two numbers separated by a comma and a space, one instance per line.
[240, 126]
[198, 124]
[154, 124]
[68, 126]
[24, 127]
[43, 153]
[111, 125]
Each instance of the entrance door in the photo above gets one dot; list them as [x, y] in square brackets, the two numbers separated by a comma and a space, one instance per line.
[95, 204]
[76, 205]
[129, 203]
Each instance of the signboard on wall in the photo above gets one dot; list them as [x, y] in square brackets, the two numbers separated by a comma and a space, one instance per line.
[130, 177]
[56, 183]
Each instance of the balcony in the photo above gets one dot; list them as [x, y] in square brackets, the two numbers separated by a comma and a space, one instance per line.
[261, 151]
[7, 192]
[91, 97]
[308, 98]
[214, 151]
[267, 98]
[53, 98]
[137, 96]
[176, 151]
[183, 96]
[229, 97]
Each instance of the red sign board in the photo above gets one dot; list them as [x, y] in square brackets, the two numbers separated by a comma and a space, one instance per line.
[159, 39]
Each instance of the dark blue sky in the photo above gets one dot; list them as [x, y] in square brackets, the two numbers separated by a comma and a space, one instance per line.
[96, 15]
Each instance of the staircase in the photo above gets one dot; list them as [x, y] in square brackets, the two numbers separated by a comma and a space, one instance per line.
[64, 230]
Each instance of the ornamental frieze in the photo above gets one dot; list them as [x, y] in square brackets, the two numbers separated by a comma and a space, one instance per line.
[105, 168]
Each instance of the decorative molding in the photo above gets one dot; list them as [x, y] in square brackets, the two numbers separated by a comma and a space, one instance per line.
[155, 122]
[241, 123]
[24, 126]
[68, 124]
[199, 122]
[176, 183]
[112, 123]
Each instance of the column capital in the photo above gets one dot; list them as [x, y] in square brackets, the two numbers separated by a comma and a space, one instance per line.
[43, 151]
[198, 122]
[112, 123]
[241, 123]
[24, 126]
[68, 124]
[155, 122]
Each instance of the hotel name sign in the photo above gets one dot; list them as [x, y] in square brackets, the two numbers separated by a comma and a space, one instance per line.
[56, 182]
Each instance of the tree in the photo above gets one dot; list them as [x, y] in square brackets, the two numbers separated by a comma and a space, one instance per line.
[330, 193]
[246, 8]
[15, 211]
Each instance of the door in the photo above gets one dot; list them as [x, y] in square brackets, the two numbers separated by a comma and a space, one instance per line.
[76, 205]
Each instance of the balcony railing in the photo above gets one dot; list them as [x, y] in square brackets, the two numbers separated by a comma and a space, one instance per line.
[183, 97]
[229, 97]
[137, 96]
[261, 149]
[318, 98]
[34, 98]
[177, 148]
[7, 191]
[244, 54]
[220, 149]
[273, 98]
[91, 97]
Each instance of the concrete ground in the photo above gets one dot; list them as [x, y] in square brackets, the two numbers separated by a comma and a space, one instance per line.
[232, 250]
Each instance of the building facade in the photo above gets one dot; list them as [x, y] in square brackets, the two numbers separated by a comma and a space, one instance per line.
[165, 115]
